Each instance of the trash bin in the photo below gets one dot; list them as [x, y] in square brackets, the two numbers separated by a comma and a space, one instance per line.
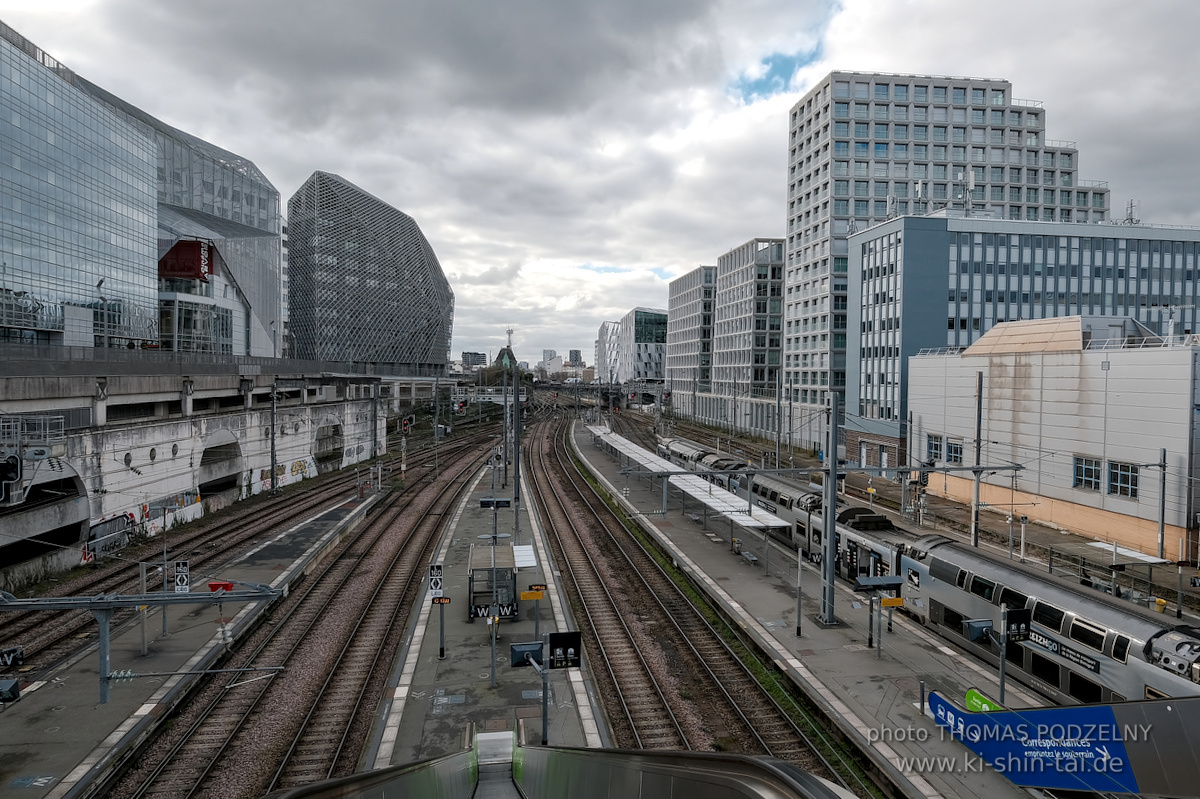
[1160, 605]
[737, 546]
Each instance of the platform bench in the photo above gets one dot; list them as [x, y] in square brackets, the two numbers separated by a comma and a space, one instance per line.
[750, 557]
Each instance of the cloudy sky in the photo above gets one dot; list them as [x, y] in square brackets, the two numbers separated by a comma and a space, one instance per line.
[567, 159]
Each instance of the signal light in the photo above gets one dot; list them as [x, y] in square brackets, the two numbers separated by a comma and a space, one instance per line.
[404, 426]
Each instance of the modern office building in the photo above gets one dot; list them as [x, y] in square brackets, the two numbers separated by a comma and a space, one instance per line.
[864, 147]
[473, 360]
[365, 283]
[219, 242]
[547, 356]
[944, 280]
[641, 345]
[691, 300]
[78, 262]
[576, 358]
[606, 351]
[1068, 399]
[748, 319]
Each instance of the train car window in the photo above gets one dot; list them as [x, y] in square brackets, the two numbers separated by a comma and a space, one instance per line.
[961, 580]
[1115, 697]
[785, 501]
[1088, 634]
[941, 570]
[1154, 693]
[1043, 668]
[1015, 654]
[983, 588]
[1121, 648]
[1048, 616]
[1083, 689]
[953, 620]
[1012, 599]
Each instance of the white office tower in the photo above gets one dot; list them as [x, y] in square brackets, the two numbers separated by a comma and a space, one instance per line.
[865, 147]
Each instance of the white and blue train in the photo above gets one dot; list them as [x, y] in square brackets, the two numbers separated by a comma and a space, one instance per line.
[1085, 646]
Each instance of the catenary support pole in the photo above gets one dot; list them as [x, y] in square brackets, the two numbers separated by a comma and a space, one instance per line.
[978, 452]
[1162, 505]
[829, 518]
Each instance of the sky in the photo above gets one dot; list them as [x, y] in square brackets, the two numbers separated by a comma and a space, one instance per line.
[568, 159]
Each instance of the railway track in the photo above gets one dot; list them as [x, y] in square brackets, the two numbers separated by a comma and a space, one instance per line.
[48, 638]
[334, 638]
[755, 721]
[644, 717]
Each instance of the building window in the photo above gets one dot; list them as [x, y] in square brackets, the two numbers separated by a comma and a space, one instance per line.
[1123, 479]
[1087, 474]
[933, 448]
[954, 452]
[841, 110]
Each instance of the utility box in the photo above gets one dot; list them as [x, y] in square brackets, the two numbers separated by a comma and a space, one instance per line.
[10, 691]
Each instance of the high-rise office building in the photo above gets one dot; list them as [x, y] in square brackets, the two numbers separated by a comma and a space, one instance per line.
[473, 360]
[865, 147]
[576, 358]
[78, 265]
[690, 304]
[606, 351]
[641, 345]
[548, 356]
[219, 242]
[365, 284]
[908, 274]
[748, 318]
[88, 183]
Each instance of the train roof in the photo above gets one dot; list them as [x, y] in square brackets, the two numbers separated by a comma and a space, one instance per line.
[1095, 606]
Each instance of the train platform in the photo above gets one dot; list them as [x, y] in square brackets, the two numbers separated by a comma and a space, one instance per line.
[435, 703]
[873, 696]
[59, 738]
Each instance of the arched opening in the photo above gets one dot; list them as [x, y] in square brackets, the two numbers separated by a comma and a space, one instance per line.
[220, 464]
[53, 515]
[329, 445]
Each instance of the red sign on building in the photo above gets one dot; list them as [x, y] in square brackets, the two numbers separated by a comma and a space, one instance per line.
[187, 259]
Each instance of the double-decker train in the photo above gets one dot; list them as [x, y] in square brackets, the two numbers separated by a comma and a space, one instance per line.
[1084, 646]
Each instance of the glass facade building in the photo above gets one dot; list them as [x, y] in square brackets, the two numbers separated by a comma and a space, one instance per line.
[77, 211]
[210, 195]
[365, 284]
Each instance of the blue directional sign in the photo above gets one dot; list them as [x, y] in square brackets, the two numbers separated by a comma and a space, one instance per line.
[1071, 748]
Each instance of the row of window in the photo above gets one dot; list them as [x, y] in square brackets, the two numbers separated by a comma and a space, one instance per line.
[862, 90]
[937, 113]
[901, 131]
[934, 449]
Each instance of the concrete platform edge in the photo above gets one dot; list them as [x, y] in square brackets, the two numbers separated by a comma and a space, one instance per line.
[102, 763]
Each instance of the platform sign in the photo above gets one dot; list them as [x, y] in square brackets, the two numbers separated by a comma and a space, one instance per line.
[1019, 622]
[533, 595]
[183, 577]
[891, 602]
[566, 650]
[1070, 748]
[495, 502]
[435, 580]
[441, 600]
[979, 702]
[538, 587]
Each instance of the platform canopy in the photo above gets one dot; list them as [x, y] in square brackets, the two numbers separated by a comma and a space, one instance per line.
[722, 502]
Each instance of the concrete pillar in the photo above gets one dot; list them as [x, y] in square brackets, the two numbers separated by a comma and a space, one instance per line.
[100, 403]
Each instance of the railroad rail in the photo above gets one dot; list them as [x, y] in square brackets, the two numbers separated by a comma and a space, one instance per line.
[246, 737]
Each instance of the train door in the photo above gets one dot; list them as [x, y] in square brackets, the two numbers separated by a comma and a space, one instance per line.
[862, 453]
[851, 561]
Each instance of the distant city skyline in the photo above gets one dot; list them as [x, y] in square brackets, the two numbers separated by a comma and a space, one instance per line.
[565, 168]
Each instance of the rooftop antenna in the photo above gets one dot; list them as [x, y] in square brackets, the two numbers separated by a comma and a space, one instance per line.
[1130, 213]
[509, 331]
